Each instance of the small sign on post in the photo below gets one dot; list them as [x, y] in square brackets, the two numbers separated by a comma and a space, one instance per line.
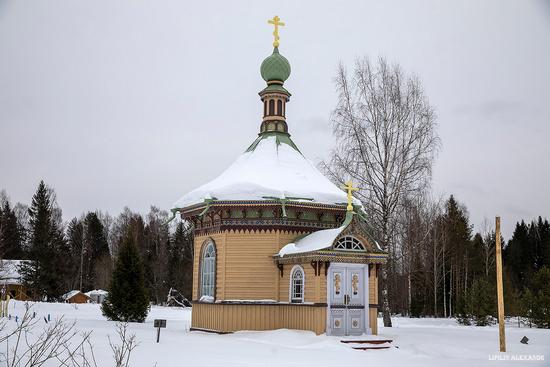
[159, 323]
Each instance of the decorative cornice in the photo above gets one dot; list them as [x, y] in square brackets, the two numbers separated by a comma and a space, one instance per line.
[332, 256]
[196, 209]
[250, 231]
[275, 118]
[264, 224]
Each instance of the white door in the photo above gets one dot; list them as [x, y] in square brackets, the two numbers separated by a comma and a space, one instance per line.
[347, 311]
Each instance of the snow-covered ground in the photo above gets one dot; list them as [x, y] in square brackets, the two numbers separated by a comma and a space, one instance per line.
[418, 342]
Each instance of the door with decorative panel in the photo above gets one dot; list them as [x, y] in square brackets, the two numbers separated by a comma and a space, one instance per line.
[347, 299]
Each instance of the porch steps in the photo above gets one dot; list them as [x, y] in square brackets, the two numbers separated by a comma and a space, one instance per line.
[368, 344]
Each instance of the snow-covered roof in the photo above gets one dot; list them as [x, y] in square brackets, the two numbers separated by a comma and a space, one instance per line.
[271, 168]
[71, 294]
[323, 239]
[312, 242]
[10, 271]
[98, 292]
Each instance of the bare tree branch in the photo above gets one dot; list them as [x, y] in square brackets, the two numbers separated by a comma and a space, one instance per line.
[386, 142]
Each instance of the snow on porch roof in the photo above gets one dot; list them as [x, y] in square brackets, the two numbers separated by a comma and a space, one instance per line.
[324, 239]
[315, 241]
[271, 167]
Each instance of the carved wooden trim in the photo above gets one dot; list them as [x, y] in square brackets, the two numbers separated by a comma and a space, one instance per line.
[317, 265]
[355, 258]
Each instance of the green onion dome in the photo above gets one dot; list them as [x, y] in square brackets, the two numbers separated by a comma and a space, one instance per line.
[275, 67]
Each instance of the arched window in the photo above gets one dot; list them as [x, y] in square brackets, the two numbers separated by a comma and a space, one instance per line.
[279, 107]
[297, 284]
[271, 107]
[349, 243]
[265, 108]
[208, 269]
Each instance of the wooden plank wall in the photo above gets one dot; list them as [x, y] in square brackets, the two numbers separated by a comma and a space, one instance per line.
[245, 271]
[249, 265]
[243, 256]
[227, 317]
[315, 286]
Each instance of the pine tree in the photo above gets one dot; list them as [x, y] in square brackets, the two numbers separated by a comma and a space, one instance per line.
[536, 299]
[96, 250]
[44, 275]
[511, 295]
[180, 261]
[63, 263]
[157, 237]
[544, 229]
[127, 299]
[535, 243]
[519, 256]
[75, 240]
[480, 302]
[457, 234]
[11, 234]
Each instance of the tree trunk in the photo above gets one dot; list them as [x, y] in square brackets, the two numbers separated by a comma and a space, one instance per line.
[385, 293]
[385, 298]
[409, 293]
[451, 292]
[435, 278]
[444, 287]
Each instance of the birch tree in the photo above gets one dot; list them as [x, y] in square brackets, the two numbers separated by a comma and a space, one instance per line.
[386, 141]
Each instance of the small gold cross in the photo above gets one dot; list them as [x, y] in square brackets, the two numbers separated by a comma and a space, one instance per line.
[350, 189]
[276, 22]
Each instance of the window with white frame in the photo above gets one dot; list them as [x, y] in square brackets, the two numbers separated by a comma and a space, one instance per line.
[297, 283]
[208, 269]
[349, 243]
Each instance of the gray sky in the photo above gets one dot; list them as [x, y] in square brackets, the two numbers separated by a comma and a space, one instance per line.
[132, 103]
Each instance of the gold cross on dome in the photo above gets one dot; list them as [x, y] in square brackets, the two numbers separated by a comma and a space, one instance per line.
[276, 21]
[350, 189]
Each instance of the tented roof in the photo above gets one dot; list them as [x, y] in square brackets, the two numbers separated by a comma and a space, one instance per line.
[272, 167]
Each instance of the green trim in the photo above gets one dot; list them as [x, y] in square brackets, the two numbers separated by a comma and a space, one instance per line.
[280, 138]
[174, 211]
[345, 224]
[275, 88]
[285, 200]
[347, 221]
[208, 204]
[197, 206]
[330, 250]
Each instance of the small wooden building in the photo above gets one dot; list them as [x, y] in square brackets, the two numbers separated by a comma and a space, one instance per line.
[11, 281]
[75, 296]
[277, 244]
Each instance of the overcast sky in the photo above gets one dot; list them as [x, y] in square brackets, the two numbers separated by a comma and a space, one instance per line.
[133, 103]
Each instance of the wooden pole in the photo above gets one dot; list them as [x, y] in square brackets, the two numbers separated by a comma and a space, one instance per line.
[500, 298]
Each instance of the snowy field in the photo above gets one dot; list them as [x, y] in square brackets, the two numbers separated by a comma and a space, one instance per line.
[418, 342]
